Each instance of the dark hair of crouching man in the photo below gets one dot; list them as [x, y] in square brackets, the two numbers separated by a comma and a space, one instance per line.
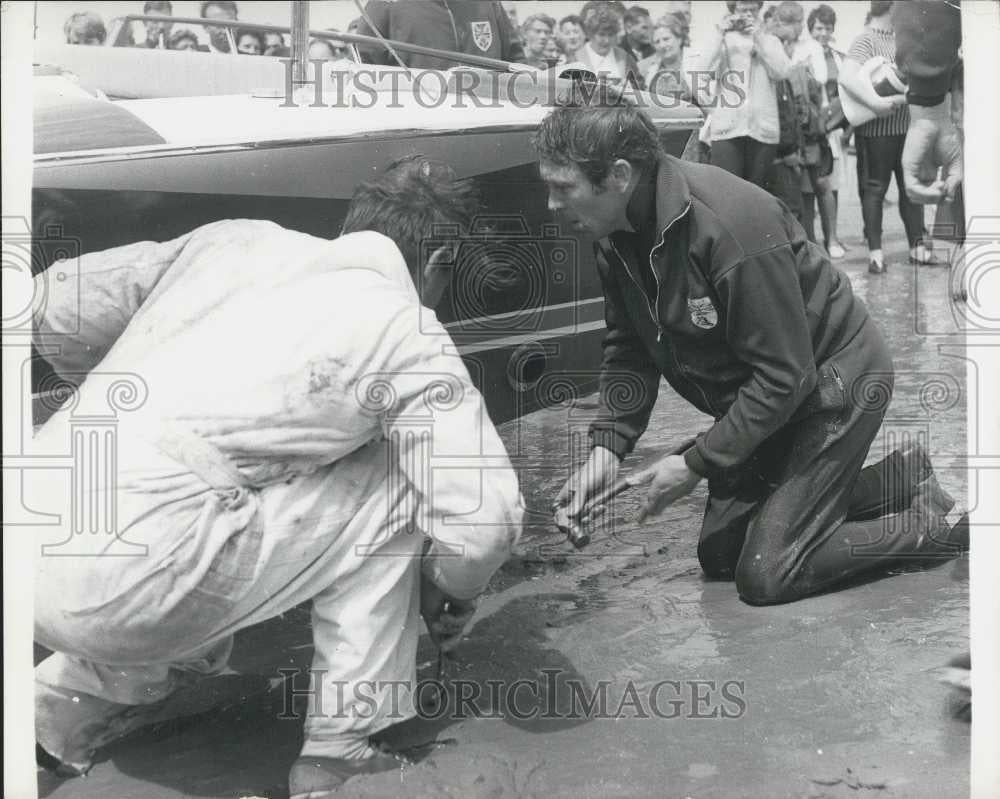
[710, 282]
[407, 203]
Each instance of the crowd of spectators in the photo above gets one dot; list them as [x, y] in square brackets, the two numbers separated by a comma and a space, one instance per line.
[788, 133]
[88, 28]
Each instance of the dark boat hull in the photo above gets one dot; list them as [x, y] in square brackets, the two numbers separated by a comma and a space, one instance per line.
[526, 310]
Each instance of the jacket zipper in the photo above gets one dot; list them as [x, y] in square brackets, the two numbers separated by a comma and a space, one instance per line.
[652, 309]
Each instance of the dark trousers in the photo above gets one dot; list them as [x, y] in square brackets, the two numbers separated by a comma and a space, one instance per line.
[745, 157]
[785, 183]
[802, 516]
[878, 159]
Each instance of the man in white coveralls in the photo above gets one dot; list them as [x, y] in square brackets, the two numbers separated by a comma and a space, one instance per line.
[300, 405]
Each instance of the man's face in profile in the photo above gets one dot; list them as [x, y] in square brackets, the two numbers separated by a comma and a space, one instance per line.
[587, 208]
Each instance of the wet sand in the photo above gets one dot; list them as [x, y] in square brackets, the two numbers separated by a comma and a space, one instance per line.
[832, 696]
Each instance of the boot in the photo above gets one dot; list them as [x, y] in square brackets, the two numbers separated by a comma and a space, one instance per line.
[320, 777]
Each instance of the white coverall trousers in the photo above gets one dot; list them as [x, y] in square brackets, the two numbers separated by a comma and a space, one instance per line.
[340, 536]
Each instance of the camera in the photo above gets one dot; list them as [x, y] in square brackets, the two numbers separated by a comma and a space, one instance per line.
[503, 276]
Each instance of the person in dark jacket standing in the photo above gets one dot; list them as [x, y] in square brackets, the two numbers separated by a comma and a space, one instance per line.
[710, 283]
[638, 33]
[475, 27]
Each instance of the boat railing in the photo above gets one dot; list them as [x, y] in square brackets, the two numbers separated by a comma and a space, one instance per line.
[354, 40]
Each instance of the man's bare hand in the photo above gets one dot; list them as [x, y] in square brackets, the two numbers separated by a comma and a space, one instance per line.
[933, 143]
[446, 617]
[666, 481]
[593, 479]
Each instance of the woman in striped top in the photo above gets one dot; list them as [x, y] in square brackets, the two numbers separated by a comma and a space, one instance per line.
[879, 143]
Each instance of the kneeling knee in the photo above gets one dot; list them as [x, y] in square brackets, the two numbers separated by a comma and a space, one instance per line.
[759, 587]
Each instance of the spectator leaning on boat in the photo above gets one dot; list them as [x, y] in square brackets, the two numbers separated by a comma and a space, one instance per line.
[325, 50]
[638, 33]
[158, 32]
[85, 28]
[743, 119]
[274, 45]
[277, 466]
[710, 283]
[218, 41]
[184, 39]
[535, 33]
[249, 42]
[600, 54]
[476, 27]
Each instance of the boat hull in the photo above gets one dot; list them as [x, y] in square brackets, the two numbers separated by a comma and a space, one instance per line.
[525, 310]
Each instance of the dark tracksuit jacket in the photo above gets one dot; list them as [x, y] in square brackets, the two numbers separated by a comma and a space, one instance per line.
[726, 299]
[720, 292]
[475, 27]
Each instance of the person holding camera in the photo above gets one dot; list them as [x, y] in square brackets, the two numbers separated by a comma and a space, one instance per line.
[710, 283]
[747, 61]
[294, 446]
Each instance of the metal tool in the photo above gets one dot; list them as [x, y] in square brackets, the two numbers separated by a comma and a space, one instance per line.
[576, 529]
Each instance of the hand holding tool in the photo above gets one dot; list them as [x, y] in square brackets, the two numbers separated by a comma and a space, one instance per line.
[576, 528]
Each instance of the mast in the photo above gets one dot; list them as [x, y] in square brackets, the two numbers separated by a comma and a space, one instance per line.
[300, 39]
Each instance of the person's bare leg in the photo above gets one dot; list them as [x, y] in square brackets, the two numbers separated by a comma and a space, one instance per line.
[827, 211]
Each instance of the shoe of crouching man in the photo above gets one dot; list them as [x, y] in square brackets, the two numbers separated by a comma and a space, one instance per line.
[320, 777]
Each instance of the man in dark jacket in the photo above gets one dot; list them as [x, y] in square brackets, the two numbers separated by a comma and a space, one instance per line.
[710, 283]
[475, 27]
[638, 34]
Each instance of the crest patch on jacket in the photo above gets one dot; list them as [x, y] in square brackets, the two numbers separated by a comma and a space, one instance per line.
[703, 313]
[482, 35]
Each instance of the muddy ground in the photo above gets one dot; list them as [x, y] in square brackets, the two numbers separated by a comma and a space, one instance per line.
[834, 696]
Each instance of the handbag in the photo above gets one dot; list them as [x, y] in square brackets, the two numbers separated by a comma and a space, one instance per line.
[834, 117]
[886, 82]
